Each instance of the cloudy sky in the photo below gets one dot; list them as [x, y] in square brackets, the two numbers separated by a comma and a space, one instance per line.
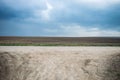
[68, 18]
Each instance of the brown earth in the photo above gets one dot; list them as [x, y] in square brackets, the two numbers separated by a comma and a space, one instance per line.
[59, 40]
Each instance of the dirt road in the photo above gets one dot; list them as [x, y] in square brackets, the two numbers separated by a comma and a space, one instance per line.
[59, 63]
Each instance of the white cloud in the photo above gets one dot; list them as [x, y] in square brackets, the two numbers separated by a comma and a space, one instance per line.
[50, 30]
[46, 13]
[81, 31]
[101, 4]
[78, 31]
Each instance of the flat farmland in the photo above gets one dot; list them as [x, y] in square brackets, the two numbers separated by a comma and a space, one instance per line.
[60, 41]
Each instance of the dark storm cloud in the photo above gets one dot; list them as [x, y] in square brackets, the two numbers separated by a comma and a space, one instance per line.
[113, 15]
[7, 13]
[85, 15]
[10, 9]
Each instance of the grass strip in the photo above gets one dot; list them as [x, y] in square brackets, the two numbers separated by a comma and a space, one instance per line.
[60, 44]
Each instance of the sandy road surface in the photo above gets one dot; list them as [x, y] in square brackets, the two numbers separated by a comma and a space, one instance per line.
[59, 63]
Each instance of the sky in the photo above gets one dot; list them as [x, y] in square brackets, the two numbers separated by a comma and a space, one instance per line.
[60, 18]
